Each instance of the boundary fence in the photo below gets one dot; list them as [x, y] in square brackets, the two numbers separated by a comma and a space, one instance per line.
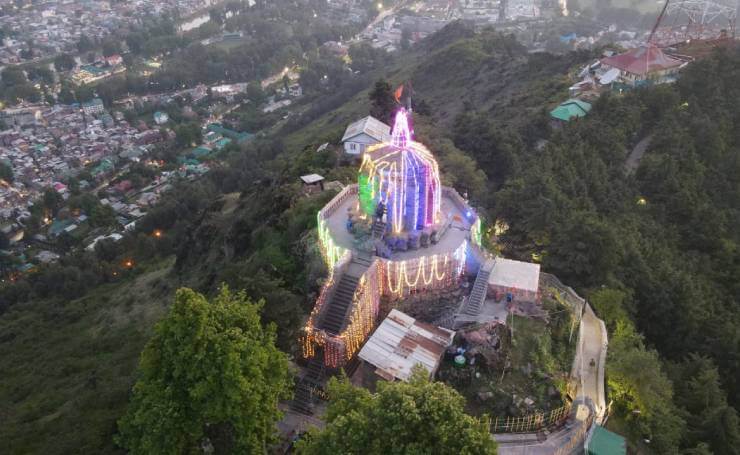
[531, 423]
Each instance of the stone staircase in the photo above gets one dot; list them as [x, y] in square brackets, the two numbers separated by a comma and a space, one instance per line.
[378, 229]
[480, 288]
[338, 306]
[336, 311]
[314, 377]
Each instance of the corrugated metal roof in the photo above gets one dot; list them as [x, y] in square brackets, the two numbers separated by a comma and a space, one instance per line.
[642, 60]
[400, 342]
[515, 274]
[370, 126]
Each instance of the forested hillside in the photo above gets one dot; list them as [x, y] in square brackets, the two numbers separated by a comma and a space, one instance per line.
[655, 250]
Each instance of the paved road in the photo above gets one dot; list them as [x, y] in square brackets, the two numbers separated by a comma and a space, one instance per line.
[591, 345]
[590, 386]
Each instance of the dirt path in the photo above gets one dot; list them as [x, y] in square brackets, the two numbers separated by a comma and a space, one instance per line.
[633, 160]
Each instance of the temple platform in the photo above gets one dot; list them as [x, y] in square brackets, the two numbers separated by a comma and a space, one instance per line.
[453, 207]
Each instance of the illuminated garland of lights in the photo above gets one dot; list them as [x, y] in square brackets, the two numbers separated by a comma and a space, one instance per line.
[404, 176]
[429, 272]
[365, 306]
[476, 232]
[330, 251]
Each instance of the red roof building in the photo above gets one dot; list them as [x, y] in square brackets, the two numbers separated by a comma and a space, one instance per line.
[644, 63]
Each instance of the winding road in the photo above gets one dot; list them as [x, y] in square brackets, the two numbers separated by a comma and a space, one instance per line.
[569, 439]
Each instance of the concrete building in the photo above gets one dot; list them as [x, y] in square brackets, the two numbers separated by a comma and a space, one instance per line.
[515, 279]
[93, 107]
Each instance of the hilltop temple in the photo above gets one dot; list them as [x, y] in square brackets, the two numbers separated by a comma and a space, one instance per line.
[397, 231]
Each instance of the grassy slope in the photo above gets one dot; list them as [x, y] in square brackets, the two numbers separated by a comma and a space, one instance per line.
[487, 73]
[68, 367]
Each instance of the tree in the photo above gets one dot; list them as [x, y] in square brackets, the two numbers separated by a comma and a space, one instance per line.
[13, 75]
[210, 376]
[365, 57]
[66, 96]
[255, 93]
[641, 390]
[187, 134]
[383, 103]
[6, 172]
[64, 62]
[415, 417]
[405, 38]
[111, 46]
[51, 200]
[85, 44]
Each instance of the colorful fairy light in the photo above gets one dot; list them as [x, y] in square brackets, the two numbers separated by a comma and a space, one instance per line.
[404, 176]
[476, 232]
[424, 273]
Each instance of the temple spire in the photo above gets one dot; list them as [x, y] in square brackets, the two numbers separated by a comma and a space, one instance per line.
[401, 134]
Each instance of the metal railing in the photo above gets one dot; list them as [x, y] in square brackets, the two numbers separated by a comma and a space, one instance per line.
[531, 423]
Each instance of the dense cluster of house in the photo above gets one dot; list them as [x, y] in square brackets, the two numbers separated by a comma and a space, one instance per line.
[45, 145]
[55, 27]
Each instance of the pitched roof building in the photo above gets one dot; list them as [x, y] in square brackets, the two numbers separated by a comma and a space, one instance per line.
[364, 132]
[401, 342]
[570, 109]
[644, 64]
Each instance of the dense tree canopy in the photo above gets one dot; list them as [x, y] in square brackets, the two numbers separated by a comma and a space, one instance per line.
[210, 376]
[417, 417]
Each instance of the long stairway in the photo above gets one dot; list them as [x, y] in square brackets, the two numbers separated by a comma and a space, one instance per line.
[312, 379]
[336, 311]
[480, 289]
[340, 302]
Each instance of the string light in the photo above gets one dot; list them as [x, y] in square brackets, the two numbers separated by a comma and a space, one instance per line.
[476, 232]
[404, 176]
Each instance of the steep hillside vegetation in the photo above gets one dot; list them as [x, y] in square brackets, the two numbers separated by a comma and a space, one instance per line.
[656, 250]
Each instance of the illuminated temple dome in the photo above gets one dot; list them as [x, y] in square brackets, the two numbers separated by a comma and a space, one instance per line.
[401, 180]
[396, 233]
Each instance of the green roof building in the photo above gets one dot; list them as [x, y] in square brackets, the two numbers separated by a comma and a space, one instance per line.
[570, 109]
[604, 442]
[231, 134]
[200, 152]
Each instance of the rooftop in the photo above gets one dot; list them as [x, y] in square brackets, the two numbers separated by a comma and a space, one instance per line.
[401, 342]
[604, 442]
[311, 178]
[370, 126]
[642, 60]
[515, 274]
[571, 109]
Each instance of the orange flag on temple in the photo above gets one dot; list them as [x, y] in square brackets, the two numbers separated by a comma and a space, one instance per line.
[397, 94]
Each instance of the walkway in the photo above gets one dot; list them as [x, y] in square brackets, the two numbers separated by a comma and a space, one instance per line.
[633, 160]
[592, 345]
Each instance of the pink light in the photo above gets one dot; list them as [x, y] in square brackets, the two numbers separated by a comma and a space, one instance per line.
[401, 134]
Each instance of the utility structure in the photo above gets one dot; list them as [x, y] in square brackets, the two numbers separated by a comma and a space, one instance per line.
[681, 22]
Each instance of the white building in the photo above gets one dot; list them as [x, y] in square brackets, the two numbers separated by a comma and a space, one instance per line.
[364, 132]
[517, 279]
[94, 106]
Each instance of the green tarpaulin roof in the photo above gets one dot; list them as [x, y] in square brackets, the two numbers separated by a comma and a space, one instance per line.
[569, 109]
[604, 442]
